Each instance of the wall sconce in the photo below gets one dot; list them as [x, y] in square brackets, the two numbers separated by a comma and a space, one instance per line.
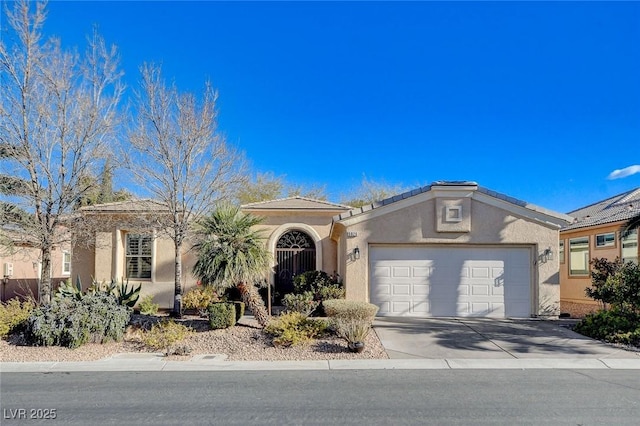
[356, 253]
[546, 255]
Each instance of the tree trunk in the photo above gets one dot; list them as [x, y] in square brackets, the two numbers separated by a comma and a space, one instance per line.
[177, 295]
[45, 276]
[253, 301]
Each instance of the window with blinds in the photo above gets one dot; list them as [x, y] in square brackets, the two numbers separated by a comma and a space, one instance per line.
[138, 255]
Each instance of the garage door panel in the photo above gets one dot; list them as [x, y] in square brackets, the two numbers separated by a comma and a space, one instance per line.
[451, 281]
[384, 308]
[401, 290]
[421, 272]
[382, 290]
[401, 306]
[480, 290]
[401, 272]
[382, 271]
[421, 289]
[478, 272]
[421, 308]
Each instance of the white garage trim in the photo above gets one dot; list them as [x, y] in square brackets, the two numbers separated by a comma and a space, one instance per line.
[451, 280]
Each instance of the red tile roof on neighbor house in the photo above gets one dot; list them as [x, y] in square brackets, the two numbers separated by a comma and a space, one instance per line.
[621, 207]
[295, 203]
[144, 205]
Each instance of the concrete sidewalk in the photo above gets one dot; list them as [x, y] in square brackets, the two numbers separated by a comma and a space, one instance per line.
[154, 363]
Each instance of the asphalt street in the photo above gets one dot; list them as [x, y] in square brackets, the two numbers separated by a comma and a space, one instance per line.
[379, 397]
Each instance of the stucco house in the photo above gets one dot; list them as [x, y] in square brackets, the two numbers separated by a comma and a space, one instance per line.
[21, 265]
[447, 249]
[595, 233]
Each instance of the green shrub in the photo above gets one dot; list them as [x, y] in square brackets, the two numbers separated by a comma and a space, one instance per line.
[302, 303]
[147, 307]
[222, 315]
[294, 328]
[165, 336]
[615, 284]
[239, 310]
[350, 309]
[200, 298]
[333, 291]
[614, 325]
[71, 322]
[14, 314]
[316, 282]
[350, 319]
[352, 330]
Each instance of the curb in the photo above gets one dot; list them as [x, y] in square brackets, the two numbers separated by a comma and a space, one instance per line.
[217, 363]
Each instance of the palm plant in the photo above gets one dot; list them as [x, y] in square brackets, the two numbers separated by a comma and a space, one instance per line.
[630, 225]
[231, 253]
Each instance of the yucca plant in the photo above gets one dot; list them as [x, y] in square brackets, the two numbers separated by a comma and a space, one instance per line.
[232, 253]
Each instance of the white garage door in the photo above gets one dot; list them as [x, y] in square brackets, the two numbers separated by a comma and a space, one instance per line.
[452, 281]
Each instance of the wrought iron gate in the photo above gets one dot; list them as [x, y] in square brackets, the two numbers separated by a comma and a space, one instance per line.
[295, 254]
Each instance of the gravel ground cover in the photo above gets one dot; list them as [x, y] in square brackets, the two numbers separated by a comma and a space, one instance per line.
[243, 342]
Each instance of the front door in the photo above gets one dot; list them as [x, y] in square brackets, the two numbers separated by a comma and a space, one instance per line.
[295, 254]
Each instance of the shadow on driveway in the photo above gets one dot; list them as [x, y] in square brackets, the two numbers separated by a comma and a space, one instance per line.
[473, 338]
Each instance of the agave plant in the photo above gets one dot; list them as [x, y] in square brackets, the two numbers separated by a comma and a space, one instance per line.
[127, 296]
[67, 289]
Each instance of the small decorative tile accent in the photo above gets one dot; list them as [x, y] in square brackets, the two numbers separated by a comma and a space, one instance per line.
[453, 214]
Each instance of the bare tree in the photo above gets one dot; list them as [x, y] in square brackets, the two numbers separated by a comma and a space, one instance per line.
[267, 186]
[370, 191]
[178, 155]
[58, 111]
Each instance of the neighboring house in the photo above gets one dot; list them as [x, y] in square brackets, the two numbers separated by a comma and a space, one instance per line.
[447, 249]
[21, 266]
[595, 233]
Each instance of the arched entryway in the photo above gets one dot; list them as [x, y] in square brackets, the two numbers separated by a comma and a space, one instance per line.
[295, 253]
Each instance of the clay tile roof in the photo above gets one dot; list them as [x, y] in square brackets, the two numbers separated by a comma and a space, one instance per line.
[295, 203]
[621, 207]
[144, 205]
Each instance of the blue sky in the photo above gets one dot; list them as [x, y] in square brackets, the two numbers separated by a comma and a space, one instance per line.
[538, 100]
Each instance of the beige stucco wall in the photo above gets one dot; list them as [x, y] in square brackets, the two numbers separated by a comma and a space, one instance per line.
[315, 224]
[27, 268]
[104, 259]
[416, 224]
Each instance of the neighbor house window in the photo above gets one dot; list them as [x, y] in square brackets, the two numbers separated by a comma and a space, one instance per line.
[606, 240]
[630, 246]
[561, 254]
[66, 263]
[138, 255]
[579, 256]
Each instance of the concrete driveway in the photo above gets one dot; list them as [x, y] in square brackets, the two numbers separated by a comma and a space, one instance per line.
[480, 338]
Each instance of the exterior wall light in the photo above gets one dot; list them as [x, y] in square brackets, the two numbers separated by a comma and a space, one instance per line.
[546, 255]
[356, 253]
